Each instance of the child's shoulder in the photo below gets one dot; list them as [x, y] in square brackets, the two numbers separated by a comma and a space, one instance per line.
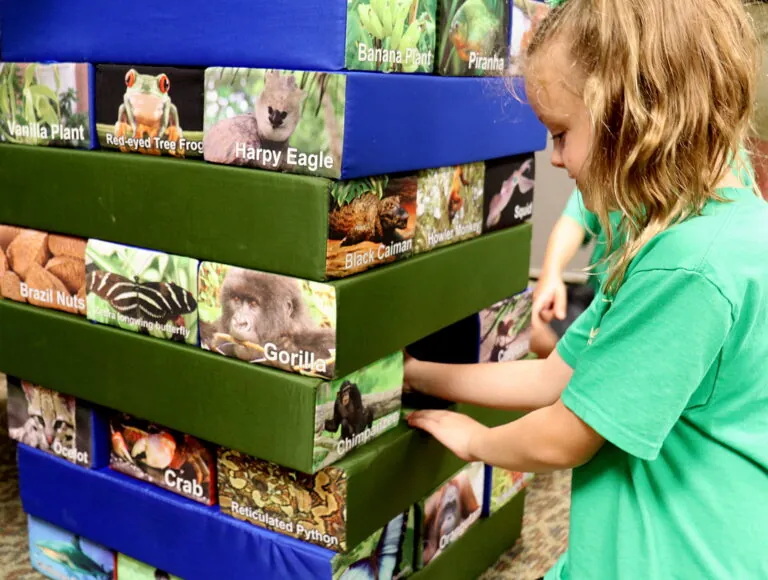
[726, 244]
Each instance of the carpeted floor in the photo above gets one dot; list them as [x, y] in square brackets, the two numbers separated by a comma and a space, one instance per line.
[545, 527]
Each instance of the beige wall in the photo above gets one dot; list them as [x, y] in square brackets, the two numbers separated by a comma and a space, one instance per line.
[553, 186]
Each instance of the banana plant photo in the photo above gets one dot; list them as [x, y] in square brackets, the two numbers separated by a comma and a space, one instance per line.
[391, 35]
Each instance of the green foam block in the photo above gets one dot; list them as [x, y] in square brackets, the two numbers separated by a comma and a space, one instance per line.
[382, 311]
[255, 219]
[261, 220]
[260, 411]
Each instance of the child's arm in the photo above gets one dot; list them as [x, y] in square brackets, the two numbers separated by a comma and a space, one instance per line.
[548, 439]
[568, 235]
[519, 385]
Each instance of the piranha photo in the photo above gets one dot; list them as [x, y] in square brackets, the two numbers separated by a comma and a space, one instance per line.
[473, 37]
[509, 190]
[59, 554]
[150, 110]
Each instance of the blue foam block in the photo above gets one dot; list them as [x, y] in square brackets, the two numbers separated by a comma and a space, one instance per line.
[303, 34]
[158, 527]
[391, 123]
[407, 122]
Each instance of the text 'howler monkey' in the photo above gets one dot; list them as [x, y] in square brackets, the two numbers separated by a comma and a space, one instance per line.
[349, 412]
[267, 311]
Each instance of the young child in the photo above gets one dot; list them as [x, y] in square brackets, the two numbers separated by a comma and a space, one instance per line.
[657, 396]
[576, 227]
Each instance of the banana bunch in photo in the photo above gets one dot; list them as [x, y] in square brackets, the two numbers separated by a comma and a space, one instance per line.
[388, 19]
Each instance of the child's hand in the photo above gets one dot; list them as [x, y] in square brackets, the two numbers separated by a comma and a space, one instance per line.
[453, 430]
[550, 299]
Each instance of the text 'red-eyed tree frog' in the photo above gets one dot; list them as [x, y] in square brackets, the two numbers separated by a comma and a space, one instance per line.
[148, 113]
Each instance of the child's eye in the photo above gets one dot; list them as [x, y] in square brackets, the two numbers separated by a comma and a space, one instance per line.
[559, 137]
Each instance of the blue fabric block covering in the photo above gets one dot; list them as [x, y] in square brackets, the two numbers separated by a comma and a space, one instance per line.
[299, 34]
[409, 122]
[158, 527]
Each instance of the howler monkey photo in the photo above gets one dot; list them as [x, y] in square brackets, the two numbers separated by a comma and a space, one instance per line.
[349, 412]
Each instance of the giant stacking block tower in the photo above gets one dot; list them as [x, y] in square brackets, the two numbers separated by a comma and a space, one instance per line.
[222, 225]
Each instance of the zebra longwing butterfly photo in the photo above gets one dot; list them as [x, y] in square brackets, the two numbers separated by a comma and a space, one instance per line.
[142, 290]
[153, 301]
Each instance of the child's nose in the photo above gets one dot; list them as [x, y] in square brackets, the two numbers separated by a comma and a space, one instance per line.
[557, 158]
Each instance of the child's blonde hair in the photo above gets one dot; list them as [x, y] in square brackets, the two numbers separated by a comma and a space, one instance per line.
[670, 87]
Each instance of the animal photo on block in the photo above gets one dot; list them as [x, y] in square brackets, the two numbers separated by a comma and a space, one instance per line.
[356, 409]
[312, 508]
[172, 460]
[52, 422]
[508, 197]
[268, 319]
[389, 554]
[45, 104]
[505, 329]
[473, 37]
[449, 205]
[505, 485]
[57, 553]
[276, 120]
[391, 35]
[526, 17]
[42, 269]
[130, 569]
[150, 110]
[451, 510]
[142, 290]
[371, 221]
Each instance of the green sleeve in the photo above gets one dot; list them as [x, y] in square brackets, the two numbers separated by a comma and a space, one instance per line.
[575, 210]
[653, 349]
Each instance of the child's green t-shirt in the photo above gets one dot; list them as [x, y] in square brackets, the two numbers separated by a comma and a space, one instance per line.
[576, 210]
[673, 373]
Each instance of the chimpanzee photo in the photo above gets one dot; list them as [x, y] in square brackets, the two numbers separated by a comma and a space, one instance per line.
[349, 412]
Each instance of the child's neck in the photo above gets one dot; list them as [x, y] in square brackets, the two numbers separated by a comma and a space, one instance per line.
[729, 180]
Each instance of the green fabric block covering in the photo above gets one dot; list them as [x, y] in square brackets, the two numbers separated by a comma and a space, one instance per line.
[263, 412]
[480, 547]
[254, 219]
[412, 458]
[386, 309]
[172, 384]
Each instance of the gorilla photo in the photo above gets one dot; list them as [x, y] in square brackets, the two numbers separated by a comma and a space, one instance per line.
[261, 308]
[349, 412]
